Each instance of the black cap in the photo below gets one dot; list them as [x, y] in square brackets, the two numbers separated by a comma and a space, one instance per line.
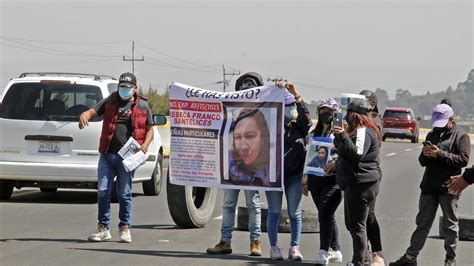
[370, 95]
[253, 77]
[128, 78]
[359, 106]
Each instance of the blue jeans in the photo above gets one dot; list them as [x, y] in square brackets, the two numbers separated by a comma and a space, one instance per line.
[252, 199]
[293, 193]
[110, 166]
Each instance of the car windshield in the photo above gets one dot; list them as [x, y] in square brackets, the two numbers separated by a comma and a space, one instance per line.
[395, 114]
[56, 101]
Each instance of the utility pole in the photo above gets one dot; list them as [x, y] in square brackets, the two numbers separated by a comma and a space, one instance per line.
[133, 57]
[224, 74]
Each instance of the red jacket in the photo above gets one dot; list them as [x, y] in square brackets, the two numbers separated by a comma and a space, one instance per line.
[139, 114]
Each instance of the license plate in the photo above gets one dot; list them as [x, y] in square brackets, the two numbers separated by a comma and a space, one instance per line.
[49, 147]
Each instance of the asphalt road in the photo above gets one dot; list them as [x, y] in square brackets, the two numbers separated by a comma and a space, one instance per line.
[51, 229]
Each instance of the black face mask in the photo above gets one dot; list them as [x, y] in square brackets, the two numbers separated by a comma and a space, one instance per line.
[326, 118]
[440, 130]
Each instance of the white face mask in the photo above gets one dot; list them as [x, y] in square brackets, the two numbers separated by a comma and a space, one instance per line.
[290, 113]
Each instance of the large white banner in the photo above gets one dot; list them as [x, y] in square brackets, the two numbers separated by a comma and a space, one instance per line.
[226, 140]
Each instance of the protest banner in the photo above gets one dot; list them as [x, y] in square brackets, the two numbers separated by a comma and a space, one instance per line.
[319, 154]
[226, 140]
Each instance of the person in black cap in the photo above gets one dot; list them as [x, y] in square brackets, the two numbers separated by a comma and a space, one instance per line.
[125, 115]
[358, 172]
[252, 197]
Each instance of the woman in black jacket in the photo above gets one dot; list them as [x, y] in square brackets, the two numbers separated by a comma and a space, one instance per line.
[325, 192]
[358, 173]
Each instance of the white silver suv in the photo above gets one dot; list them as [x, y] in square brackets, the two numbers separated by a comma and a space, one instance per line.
[41, 144]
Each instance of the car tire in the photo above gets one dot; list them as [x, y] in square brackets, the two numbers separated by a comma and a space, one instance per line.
[152, 187]
[48, 189]
[384, 138]
[6, 189]
[190, 207]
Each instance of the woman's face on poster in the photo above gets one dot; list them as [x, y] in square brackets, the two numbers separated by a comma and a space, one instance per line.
[247, 139]
[321, 154]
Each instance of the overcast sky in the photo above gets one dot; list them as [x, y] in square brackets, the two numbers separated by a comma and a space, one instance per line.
[325, 47]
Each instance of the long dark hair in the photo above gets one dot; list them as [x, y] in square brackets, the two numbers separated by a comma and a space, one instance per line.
[263, 157]
[356, 120]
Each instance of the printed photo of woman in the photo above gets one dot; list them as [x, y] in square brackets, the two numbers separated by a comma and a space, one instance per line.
[249, 156]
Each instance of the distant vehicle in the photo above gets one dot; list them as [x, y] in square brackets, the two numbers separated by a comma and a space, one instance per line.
[41, 145]
[400, 123]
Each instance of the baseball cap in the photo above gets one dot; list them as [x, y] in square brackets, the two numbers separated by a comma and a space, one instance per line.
[329, 103]
[441, 114]
[360, 106]
[128, 78]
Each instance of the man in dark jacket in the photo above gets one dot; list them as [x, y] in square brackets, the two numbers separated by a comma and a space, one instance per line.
[445, 152]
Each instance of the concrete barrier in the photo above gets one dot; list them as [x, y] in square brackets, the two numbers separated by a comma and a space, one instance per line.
[309, 218]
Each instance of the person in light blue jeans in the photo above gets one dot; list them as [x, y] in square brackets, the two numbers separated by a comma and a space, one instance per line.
[293, 194]
[297, 125]
[252, 199]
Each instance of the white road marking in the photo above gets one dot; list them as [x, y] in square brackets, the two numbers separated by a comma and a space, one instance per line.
[421, 146]
[163, 241]
[217, 218]
[407, 149]
[391, 154]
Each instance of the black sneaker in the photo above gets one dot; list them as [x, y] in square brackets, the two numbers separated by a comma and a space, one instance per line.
[404, 261]
[449, 262]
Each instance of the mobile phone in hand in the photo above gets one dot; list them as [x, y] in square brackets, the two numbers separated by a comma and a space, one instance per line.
[337, 120]
[427, 143]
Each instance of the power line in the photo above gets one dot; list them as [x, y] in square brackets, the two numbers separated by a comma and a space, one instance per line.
[166, 64]
[53, 51]
[176, 58]
[224, 74]
[72, 43]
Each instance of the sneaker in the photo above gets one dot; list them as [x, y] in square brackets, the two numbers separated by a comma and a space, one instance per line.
[377, 259]
[255, 249]
[335, 256]
[223, 247]
[294, 253]
[323, 257]
[125, 235]
[275, 253]
[404, 261]
[449, 262]
[102, 234]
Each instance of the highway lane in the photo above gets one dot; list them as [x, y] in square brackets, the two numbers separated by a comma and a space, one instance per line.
[51, 229]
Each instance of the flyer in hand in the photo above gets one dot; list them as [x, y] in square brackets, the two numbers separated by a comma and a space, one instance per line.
[132, 155]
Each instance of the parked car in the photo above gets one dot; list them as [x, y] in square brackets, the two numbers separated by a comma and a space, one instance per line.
[400, 123]
[42, 146]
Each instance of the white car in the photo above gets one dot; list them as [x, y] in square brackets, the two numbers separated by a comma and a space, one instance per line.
[41, 144]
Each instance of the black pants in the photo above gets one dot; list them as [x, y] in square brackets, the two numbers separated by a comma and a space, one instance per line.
[327, 196]
[373, 229]
[358, 200]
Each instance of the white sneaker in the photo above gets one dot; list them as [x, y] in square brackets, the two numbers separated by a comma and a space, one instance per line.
[275, 253]
[323, 257]
[294, 253]
[125, 236]
[335, 256]
[102, 234]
